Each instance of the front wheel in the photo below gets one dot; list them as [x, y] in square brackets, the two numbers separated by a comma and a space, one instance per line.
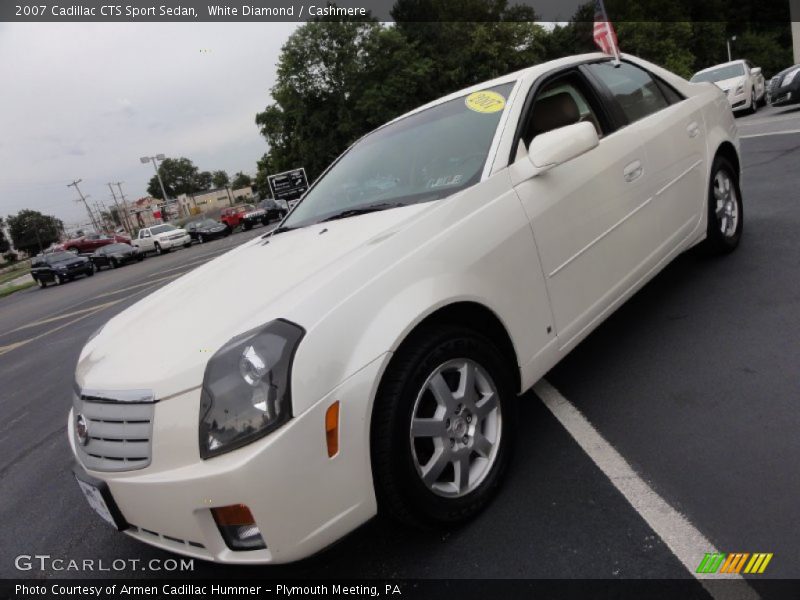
[725, 210]
[442, 427]
[753, 102]
[158, 249]
[41, 283]
[247, 226]
[59, 280]
[200, 239]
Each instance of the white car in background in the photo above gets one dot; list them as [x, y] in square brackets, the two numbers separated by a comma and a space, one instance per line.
[742, 83]
[161, 238]
[367, 355]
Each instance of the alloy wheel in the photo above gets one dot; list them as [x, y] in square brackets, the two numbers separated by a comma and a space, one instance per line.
[727, 208]
[456, 428]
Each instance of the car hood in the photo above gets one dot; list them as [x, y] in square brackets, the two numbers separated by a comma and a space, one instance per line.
[727, 84]
[165, 234]
[163, 342]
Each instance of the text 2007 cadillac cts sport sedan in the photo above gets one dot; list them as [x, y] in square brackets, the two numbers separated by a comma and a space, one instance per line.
[382, 334]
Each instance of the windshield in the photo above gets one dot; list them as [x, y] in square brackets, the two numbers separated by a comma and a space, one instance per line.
[58, 257]
[713, 75]
[161, 229]
[426, 156]
[206, 223]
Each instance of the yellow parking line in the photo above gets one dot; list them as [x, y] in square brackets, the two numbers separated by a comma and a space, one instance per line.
[63, 316]
[15, 345]
[138, 285]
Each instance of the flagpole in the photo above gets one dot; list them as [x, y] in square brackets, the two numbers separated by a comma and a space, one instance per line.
[614, 46]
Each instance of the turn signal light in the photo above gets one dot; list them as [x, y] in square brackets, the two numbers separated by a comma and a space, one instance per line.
[332, 429]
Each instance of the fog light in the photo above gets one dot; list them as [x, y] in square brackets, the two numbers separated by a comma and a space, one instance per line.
[238, 527]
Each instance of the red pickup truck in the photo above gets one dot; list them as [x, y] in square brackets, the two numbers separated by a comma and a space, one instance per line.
[91, 241]
[232, 217]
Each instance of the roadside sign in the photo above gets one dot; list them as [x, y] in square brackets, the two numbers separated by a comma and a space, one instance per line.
[289, 185]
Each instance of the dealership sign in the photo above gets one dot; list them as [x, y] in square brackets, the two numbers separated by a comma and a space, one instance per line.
[289, 185]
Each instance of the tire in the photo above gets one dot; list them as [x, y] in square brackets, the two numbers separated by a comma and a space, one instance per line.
[724, 205]
[41, 283]
[441, 355]
[90, 272]
[158, 249]
[247, 226]
[200, 239]
[59, 280]
[140, 258]
[753, 102]
[113, 263]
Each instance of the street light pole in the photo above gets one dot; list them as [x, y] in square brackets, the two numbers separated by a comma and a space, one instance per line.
[154, 160]
[728, 41]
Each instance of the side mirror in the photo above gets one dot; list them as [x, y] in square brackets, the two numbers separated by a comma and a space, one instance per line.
[558, 146]
[755, 71]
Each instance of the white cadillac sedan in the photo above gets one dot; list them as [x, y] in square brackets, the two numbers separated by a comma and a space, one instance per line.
[742, 83]
[374, 345]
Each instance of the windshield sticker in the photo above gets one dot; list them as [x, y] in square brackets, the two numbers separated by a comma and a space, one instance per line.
[485, 101]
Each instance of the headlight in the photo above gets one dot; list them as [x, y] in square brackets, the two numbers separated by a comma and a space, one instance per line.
[246, 392]
[789, 77]
[739, 88]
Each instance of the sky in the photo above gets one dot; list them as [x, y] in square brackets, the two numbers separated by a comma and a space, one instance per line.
[85, 101]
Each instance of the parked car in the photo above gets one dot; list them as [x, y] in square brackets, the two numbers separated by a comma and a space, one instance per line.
[742, 83]
[264, 213]
[785, 87]
[232, 216]
[161, 238]
[59, 267]
[204, 230]
[115, 255]
[381, 337]
[91, 241]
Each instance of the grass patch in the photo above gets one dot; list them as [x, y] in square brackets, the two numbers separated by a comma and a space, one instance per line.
[16, 288]
[14, 273]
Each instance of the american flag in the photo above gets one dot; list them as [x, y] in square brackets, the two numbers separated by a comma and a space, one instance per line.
[604, 35]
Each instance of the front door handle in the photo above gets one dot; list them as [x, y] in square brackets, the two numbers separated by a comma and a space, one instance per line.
[633, 171]
[693, 129]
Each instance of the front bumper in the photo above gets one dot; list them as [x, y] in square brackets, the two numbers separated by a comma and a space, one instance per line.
[785, 96]
[738, 101]
[181, 241]
[301, 499]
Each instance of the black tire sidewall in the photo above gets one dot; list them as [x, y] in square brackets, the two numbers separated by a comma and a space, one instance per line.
[398, 484]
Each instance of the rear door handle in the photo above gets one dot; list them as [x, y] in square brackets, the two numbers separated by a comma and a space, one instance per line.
[693, 129]
[633, 171]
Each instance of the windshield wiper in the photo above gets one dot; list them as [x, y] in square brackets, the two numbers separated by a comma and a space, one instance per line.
[361, 210]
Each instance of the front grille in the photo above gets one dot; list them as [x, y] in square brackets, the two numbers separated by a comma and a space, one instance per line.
[119, 433]
[177, 236]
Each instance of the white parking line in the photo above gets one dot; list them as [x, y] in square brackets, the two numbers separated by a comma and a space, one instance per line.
[681, 537]
[755, 135]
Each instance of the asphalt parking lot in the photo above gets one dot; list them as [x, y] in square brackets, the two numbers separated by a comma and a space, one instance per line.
[694, 382]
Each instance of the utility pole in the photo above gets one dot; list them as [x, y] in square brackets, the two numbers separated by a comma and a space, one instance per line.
[125, 214]
[83, 198]
[120, 215]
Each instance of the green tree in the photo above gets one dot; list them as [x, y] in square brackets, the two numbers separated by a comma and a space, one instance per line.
[31, 231]
[180, 176]
[4, 244]
[220, 179]
[241, 180]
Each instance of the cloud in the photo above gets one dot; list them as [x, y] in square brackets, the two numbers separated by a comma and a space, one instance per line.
[89, 99]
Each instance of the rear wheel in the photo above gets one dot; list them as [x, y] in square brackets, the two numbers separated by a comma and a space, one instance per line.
[442, 427]
[113, 263]
[158, 249]
[201, 239]
[59, 280]
[41, 283]
[725, 210]
[247, 226]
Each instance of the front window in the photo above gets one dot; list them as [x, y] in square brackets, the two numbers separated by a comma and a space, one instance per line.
[161, 229]
[720, 74]
[426, 156]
